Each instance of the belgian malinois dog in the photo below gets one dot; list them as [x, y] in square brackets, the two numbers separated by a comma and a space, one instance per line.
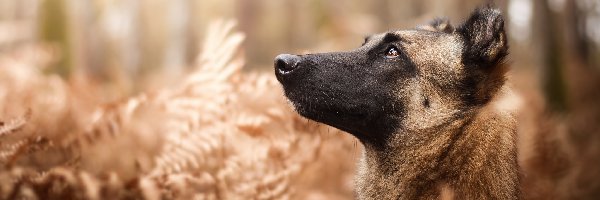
[425, 103]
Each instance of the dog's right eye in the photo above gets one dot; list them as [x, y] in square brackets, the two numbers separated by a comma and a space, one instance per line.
[392, 52]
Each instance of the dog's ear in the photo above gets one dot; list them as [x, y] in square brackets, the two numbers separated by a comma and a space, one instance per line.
[485, 48]
[484, 37]
[438, 25]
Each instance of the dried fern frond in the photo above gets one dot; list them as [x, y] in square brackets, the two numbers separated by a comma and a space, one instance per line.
[218, 134]
[221, 45]
[8, 152]
[14, 124]
[220, 57]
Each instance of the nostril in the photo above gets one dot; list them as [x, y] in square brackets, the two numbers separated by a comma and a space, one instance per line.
[283, 65]
[286, 63]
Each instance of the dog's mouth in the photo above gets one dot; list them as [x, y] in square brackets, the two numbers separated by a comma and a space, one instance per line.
[346, 119]
[325, 113]
[363, 121]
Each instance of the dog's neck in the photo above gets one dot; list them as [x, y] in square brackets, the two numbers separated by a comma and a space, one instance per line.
[471, 157]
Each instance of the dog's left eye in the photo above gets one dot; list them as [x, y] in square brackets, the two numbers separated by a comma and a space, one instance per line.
[392, 52]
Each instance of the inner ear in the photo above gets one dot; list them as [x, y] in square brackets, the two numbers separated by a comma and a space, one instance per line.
[438, 25]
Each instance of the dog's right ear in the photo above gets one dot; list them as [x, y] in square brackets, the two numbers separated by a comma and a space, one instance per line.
[485, 48]
[484, 37]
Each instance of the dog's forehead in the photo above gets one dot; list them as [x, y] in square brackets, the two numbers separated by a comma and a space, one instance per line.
[421, 35]
[412, 36]
[431, 48]
[425, 47]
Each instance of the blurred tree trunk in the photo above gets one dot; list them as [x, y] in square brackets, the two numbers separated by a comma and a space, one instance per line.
[552, 56]
[80, 16]
[575, 31]
[175, 52]
[248, 12]
[54, 29]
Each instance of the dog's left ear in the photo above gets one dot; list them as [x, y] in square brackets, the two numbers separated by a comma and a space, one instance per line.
[484, 37]
[438, 25]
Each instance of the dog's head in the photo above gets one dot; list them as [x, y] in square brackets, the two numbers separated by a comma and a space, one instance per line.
[400, 80]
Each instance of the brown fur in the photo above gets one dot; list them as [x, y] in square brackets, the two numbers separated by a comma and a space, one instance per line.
[469, 150]
[473, 155]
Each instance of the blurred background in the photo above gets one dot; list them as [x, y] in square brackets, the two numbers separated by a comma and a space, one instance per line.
[126, 44]
[94, 55]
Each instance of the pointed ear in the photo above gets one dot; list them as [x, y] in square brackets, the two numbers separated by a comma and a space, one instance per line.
[484, 37]
[438, 25]
[485, 48]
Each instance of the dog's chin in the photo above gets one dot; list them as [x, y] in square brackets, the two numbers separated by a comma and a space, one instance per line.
[352, 123]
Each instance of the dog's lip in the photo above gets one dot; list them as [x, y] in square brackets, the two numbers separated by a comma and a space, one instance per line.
[334, 119]
[306, 110]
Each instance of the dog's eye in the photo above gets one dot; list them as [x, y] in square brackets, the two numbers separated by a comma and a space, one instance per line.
[392, 52]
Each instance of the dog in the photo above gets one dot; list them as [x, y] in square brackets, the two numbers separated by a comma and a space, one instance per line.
[426, 105]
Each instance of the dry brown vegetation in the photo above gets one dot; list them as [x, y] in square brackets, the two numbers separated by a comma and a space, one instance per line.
[217, 134]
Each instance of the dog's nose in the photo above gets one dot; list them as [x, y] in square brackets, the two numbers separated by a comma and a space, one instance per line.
[285, 63]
